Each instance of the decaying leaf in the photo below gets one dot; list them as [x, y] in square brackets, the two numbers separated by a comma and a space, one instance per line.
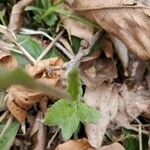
[16, 18]
[105, 99]
[7, 61]
[20, 99]
[124, 19]
[76, 28]
[81, 144]
[117, 103]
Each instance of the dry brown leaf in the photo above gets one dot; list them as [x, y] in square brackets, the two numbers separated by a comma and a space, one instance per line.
[131, 104]
[81, 144]
[16, 18]
[105, 99]
[124, 19]
[76, 28]
[116, 103]
[104, 70]
[7, 61]
[20, 99]
[114, 146]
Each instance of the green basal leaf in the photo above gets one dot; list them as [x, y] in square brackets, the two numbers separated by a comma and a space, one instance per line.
[8, 135]
[58, 112]
[88, 113]
[74, 85]
[63, 114]
[68, 116]
[69, 126]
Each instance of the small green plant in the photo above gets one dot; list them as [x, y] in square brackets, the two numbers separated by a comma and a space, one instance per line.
[68, 114]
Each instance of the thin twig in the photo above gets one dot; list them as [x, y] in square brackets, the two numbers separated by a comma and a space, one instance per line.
[50, 46]
[84, 50]
[58, 45]
[140, 137]
[4, 115]
[51, 140]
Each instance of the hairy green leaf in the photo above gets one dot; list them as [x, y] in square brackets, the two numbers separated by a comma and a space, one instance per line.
[8, 135]
[74, 85]
[87, 113]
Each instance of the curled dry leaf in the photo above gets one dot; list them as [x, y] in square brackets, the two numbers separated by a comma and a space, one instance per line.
[16, 18]
[81, 144]
[7, 61]
[20, 99]
[126, 20]
[76, 28]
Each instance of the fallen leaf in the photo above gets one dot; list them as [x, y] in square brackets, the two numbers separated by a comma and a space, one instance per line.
[105, 99]
[76, 28]
[7, 61]
[16, 18]
[81, 144]
[124, 19]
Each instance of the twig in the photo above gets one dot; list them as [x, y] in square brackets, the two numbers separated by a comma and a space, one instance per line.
[58, 45]
[51, 140]
[50, 46]
[4, 116]
[83, 51]
[140, 137]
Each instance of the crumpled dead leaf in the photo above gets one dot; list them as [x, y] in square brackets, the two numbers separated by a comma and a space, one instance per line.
[126, 20]
[20, 99]
[81, 144]
[7, 61]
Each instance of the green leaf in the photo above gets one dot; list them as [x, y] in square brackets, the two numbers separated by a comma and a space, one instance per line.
[8, 135]
[131, 140]
[68, 116]
[58, 112]
[69, 127]
[74, 85]
[63, 114]
[88, 113]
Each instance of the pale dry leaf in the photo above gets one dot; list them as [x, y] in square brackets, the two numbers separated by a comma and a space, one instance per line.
[21, 99]
[81, 144]
[105, 99]
[76, 28]
[124, 19]
[131, 104]
[114, 146]
[7, 61]
[122, 52]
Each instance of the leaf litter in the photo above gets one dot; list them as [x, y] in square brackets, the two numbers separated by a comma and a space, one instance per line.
[116, 76]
